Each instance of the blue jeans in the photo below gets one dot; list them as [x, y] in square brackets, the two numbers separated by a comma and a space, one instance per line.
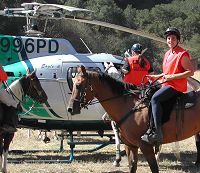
[163, 94]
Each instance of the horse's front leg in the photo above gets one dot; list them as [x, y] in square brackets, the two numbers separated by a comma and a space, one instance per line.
[132, 154]
[149, 154]
[117, 145]
[1, 152]
[4, 161]
[7, 140]
[197, 139]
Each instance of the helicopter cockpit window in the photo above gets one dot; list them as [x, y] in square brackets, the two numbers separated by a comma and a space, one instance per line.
[71, 74]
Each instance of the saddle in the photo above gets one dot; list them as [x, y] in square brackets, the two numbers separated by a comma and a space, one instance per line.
[178, 103]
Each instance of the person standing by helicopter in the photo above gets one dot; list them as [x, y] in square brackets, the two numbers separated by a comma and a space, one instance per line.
[176, 69]
[7, 100]
[136, 66]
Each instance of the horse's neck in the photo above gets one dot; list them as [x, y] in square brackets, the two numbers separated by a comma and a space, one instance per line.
[17, 90]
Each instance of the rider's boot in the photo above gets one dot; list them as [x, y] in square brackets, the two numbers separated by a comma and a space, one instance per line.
[153, 136]
[157, 136]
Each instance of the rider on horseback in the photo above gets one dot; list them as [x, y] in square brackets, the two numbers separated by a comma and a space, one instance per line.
[7, 99]
[176, 68]
[136, 66]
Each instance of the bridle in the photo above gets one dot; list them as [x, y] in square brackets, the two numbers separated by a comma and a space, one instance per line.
[82, 89]
[88, 86]
[30, 87]
[30, 90]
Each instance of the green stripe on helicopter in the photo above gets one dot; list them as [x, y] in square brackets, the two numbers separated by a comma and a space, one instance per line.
[9, 48]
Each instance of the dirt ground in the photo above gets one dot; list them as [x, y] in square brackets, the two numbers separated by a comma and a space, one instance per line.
[100, 161]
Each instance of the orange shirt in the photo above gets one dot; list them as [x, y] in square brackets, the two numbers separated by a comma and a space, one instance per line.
[136, 73]
[172, 65]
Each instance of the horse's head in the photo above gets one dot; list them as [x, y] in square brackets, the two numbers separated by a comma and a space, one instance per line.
[80, 93]
[34, 88]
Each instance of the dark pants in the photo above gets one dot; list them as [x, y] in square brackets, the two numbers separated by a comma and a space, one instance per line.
[163, 94]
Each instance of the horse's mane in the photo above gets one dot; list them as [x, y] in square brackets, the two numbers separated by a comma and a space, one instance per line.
[117, 86]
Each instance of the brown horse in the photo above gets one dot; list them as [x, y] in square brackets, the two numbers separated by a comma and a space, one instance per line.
[119, 102]
[27, 85]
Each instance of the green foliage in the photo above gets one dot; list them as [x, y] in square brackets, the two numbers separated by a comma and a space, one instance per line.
[195, 44]
[106, 10]
[145, 15]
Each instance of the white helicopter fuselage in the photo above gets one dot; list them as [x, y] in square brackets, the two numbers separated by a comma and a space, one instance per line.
[55, 61]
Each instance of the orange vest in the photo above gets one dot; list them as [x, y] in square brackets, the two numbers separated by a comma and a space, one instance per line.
[172, 65]
[136, 73]
[3, 75]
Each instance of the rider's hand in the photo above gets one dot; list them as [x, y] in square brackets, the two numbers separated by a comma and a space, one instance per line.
[167, 77]
[151, 77]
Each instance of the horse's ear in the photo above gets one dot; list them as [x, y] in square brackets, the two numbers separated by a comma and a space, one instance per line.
[83, 70]
[111, 64]
[78, 69]
[28, 71]
[33, 74]
[34, 71]
[105, 64]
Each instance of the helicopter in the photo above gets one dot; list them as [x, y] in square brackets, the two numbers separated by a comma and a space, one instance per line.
[55, 61]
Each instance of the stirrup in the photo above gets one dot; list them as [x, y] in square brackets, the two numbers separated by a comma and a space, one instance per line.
[149, 131]
[152, 138]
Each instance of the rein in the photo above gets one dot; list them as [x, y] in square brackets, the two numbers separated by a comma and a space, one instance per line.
[143, 98]
[11, 92]
[143, 90]
[92, 102]
[21, 101]
[123, 119]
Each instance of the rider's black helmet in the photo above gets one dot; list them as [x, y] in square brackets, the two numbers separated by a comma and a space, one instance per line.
[173, 31]
[137, 48]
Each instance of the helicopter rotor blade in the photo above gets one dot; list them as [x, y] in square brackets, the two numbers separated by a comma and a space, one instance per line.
[125, 29]
[55, 11]
[120, 28]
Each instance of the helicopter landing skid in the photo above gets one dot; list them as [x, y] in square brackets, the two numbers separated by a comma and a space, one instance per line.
[99, 144]
[72, 142]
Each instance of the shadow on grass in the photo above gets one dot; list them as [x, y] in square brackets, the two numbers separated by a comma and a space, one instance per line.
[83, 157]
[186, 163]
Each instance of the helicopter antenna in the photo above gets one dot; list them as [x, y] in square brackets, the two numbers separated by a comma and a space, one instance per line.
[86, 45]
[45, 26]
